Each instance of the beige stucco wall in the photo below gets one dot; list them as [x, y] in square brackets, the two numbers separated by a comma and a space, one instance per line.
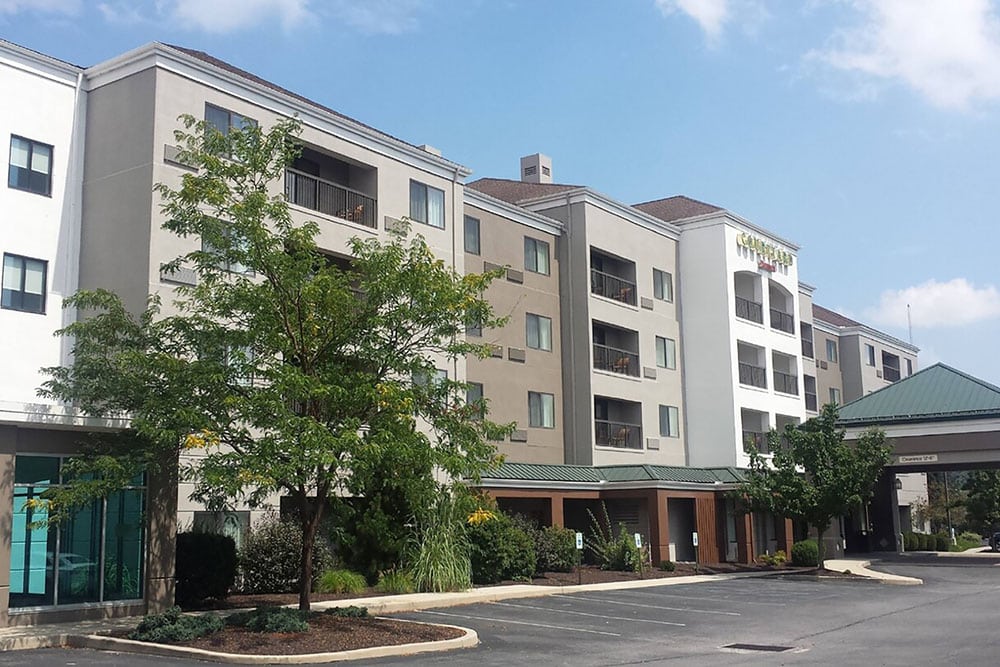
[506, 382]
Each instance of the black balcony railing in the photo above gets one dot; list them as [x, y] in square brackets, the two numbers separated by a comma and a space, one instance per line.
[612, 359]
[755, 438]
[329, 198]
[612, 287]
[617, 434]
[811, 403]
[890, 374]
[749, 310]
[782, 321]
[807, 348]
[755, 376]
[786, 383]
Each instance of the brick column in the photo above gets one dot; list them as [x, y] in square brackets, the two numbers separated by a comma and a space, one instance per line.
[744, 541]
[556, 510]
[659, 530]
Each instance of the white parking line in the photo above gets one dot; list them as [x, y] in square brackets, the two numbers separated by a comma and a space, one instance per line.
[583, 613]
[651, 606]
[729, 599]
[536, 625]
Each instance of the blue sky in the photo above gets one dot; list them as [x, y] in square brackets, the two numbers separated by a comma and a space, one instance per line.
[866, 131]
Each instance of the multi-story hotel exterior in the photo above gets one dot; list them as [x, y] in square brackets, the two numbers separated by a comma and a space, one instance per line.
[646, 345]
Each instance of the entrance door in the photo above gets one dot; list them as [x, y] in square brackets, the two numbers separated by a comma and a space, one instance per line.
[681, 524]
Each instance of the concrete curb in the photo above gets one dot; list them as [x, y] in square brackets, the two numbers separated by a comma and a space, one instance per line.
[467, 640]
[860, 567]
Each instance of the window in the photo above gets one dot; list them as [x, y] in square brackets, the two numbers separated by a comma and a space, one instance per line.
[835, 395]
[663, 285]
[427, 204]
[831, 350]
[475, 330]
[95, 555]
[235, 244]
[666, 353]
[539, 332]
[669, 422]
[241, 361]
[909, 367]
[536, 255]
[474, 395]
[423, 379]
[23, 284]
[869, 355]
[471, 235]
[224, 120]
[30, 166]
[541, 410]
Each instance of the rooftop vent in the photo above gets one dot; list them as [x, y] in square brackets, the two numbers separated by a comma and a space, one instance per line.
[536, 168]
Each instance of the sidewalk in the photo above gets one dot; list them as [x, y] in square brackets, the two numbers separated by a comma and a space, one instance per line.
[860, 567]
[65, 634]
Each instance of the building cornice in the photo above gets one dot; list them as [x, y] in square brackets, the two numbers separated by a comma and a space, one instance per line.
[605, 203]
[55, 416]
[728, 217]
[541, 485]
[806, 288]
[864, 330]
[512, 212]
[38, 64]
[156, 55]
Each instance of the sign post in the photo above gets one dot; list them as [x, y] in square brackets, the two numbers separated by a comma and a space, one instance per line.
[638, 547]
[694, 541]
[579, 557]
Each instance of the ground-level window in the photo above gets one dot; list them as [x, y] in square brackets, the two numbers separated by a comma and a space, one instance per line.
[97, 555]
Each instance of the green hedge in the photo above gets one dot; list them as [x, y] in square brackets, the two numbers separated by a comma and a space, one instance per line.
[270, 557]
[805, 553]
[206, 567]
[499, 550]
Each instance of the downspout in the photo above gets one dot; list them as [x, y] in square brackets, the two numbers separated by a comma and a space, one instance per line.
[454, 245]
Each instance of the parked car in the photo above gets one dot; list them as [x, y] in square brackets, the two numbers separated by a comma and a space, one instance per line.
[995, 542]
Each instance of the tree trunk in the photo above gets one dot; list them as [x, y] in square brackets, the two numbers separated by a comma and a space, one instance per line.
[821, 531]
[310, 516]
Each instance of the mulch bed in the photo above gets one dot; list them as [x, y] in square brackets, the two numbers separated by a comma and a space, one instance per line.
[326, 634]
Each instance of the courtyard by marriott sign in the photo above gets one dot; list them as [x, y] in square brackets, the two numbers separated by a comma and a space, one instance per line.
[764, 250]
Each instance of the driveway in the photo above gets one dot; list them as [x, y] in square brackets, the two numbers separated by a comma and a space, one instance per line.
[951, 619]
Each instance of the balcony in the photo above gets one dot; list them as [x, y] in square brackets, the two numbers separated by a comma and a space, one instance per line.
[749, 310]
[786, 383]
[782, 321]
[612, 277]
[330, 198]
[617, 434]
[612, 287]
[607, 358]
[755, 376]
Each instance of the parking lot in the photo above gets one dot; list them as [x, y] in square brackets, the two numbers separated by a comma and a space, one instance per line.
[951, 619]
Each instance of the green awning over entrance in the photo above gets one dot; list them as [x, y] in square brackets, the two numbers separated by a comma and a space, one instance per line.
[938, 392]
[535, 472]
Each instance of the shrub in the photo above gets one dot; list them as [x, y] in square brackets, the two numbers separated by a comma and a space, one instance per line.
[613, 552]
[348, 612]
[805, 553]
[499, 549]
[271, 619]
[440, 560]
[975, 538]
[923, 541]
[942, 542]
[777, 559]
[395, 582]
[341, 581]
[269, 560]
[667, 565]
[555, 549]
[172, 626]
[910, 541]
[206, 567]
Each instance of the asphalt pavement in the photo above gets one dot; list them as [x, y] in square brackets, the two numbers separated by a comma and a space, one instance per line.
[951, 619]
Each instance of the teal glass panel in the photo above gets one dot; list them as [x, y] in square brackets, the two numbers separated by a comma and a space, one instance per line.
[31, 546]
[123, 545]
[77, 569]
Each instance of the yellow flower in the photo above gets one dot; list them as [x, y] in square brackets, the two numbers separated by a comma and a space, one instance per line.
[481, 516]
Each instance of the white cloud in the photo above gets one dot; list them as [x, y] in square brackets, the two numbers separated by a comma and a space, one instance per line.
[378, 17]
[226, 16]
[936, 304]
[711, 15]
[946, 51]
[41, 6]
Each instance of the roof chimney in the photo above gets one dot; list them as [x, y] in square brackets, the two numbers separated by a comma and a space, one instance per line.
[536, 168]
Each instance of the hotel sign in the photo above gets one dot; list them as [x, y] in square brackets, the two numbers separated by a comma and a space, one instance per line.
[764, 250]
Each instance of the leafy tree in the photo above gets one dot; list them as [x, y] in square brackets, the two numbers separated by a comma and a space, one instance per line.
[814, 476]
[283, 371]
[983, 502]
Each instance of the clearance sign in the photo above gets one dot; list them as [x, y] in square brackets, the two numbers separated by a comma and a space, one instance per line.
[765, 251]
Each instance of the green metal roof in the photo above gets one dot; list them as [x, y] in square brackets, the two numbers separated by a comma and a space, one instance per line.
[937, 392]
[535, 472]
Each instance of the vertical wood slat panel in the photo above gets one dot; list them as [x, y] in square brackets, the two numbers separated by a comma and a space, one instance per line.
[708, 544]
